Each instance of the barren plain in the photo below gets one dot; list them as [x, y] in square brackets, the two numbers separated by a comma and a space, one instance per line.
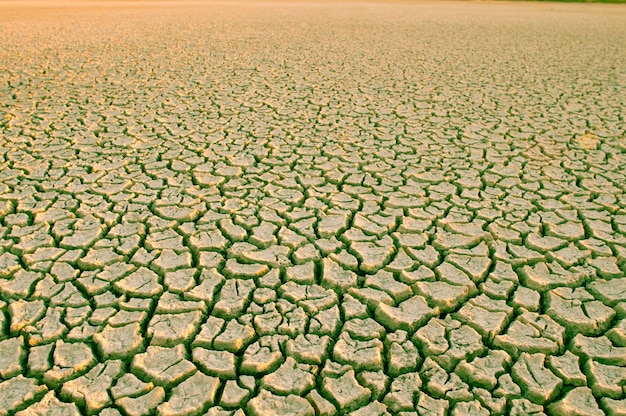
[312, 208]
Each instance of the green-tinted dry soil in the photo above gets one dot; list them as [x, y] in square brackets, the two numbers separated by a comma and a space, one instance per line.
[309, 208]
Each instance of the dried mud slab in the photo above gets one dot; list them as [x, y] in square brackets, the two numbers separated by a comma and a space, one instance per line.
[312, 208]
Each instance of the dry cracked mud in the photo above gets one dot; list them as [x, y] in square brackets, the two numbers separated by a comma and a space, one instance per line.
[308, 208]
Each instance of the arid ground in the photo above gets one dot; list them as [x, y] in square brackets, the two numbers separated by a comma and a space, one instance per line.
[312, 208]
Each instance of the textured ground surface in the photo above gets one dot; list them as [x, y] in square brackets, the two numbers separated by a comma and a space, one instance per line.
[308, 208]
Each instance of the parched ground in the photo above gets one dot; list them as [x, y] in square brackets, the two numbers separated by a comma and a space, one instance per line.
[309, 208]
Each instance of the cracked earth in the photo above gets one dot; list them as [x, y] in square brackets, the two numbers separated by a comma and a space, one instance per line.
[312, 209]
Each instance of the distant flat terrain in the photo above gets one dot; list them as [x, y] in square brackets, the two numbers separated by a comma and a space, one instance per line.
[312, 208]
